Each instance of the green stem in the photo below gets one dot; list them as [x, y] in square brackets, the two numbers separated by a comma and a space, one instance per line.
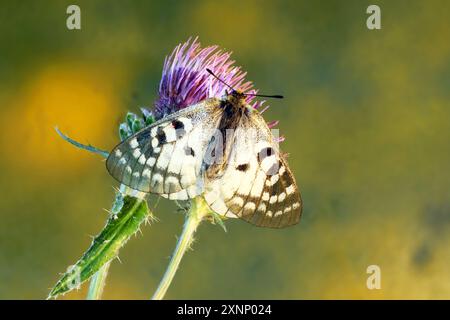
[199, 209]
[98, 283]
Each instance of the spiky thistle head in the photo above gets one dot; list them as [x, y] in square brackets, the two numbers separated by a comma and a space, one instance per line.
[185, 80]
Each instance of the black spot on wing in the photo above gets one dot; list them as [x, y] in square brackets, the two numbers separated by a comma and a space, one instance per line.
[161, 135]
[265, 152]
[177, 124]
[148, 152]
[189, 151]
[179, 128]
[242, 167]
[143, 137]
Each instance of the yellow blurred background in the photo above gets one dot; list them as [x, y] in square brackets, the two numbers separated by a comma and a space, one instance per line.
[366, 120]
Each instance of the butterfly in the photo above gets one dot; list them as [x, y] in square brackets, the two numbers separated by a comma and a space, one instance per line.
[220, 148]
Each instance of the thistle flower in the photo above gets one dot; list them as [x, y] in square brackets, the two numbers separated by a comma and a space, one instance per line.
[185, 80]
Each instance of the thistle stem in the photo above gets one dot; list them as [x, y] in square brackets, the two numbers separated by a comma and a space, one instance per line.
[97, 283]
[199, 209]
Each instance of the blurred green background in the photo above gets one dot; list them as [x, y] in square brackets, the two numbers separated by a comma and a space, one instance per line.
[366, 117]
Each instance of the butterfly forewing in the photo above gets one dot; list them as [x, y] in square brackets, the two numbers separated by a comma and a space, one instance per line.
[165, 158]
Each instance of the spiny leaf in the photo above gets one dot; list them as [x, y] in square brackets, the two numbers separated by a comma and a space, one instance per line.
[126, 217]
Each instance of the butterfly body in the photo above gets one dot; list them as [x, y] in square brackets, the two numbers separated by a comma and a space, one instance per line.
[219, 148]
[234, 109]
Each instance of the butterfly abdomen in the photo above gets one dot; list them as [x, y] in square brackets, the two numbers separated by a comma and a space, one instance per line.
[220, 145]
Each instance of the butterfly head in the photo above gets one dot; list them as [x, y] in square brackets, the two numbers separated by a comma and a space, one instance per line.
[236, 97]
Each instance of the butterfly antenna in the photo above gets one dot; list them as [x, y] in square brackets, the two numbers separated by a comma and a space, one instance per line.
[275, 96]
[212, 73]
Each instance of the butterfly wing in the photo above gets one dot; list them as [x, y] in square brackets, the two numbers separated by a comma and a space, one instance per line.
[165, 157]
[257, 184]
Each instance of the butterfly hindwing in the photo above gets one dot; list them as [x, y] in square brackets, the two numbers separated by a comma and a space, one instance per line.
[165, 157]
[257, 185]
[279, 204]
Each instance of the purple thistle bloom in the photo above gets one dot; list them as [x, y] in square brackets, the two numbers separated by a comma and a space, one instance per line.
[185, 80]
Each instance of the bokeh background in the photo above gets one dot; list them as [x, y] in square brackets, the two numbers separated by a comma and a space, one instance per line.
[366, 117]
